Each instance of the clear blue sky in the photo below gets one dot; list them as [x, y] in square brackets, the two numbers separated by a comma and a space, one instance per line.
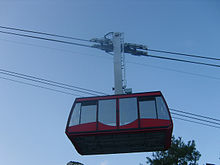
[32, 120]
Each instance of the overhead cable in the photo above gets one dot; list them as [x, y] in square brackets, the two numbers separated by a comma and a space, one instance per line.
[185, 61]
[183, 54]
[84, 45]
[196, 122]
[195, 118]
[88, 91]
[175, 70]
[39, 86]
[47, 39]
[25, 78]
[43, 33]
[86, 40]
[49, 82]
[193, 114]
[136, 63]
[181, 115]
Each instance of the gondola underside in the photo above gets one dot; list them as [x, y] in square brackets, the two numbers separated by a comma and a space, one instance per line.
[120, 143]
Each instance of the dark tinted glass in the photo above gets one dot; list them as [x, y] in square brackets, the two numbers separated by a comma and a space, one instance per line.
[162, 109]
[74, 120]
[147, 109]
[128, 110]
[88, 113]
[107, 112]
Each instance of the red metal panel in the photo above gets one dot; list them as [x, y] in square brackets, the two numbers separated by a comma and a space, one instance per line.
[82, 127]
[131, 125]
[158, 93]
[144, 123]
[102, 126]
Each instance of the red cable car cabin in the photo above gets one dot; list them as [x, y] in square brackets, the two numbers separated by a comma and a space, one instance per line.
[125, 123]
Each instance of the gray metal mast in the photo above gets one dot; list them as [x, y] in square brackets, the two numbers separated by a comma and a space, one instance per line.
[119, 67]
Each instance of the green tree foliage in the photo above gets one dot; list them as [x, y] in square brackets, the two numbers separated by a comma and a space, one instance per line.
[178, 154]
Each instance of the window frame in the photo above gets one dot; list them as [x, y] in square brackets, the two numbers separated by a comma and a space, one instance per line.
[147, 98]
[119, 110]
[165, 105]
[115, 109]
[138, 96]
[71, 114]
[87, 103]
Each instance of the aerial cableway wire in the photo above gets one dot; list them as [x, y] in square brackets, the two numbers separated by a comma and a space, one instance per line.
[90, 93]
[47, 39]
[175, 70]
[193, 114]
[78, 89]
[55, 90]
[136, 63]
[89, 46]
[50, 82]
[38, 86]
[196, 122]
[185, 61]
[86, 40]
[60, 91]
[69, 87]
[43, 33]
[195, 118]
[184, 54]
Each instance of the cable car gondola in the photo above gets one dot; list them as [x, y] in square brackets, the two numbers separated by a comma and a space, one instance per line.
[125, 123]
